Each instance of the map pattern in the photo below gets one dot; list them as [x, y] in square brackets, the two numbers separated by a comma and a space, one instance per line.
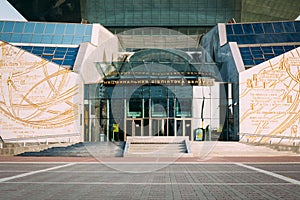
[37, 97]
[270, 101]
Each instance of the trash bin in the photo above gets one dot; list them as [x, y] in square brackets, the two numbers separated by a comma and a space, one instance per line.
[199, 134]
[102, 137]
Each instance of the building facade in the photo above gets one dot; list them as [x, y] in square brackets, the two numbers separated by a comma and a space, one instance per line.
[155, 76]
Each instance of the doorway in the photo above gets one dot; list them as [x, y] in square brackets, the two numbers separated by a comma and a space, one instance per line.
[134, 127]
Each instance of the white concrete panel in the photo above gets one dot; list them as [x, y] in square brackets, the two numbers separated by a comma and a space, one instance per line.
[39, 99]
[222, 34]
[269, 100]
[237, 57]
[9, 13]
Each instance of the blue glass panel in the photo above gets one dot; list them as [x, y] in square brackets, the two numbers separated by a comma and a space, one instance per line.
[267, 50]
[268, 27]
[1, 26]
[37, 51]
[72, 50]
[288, 48]
[67, 39]
[47, 39]
[229, 30]
[278, 27]
[39, 28]
[38, 48]
[231, 38]
[269, 38]
[258, 28]
[255, 49]
[295, 37]
[8, 27]
[59, 62]
[50, 28]
[250, 39]
[289, 27]
[68, 56]
[68, 62]
[48, 57]
[244, 49]
[27, 48]
[36, 39]
[49, 50]
[241, 39]
[70, 29]
[72, 53]
[57, 39]
[60, 29]
[59, 55]
[79, 30]
[19, 26]
[268, 57]
[248, 62]
[246, 56]
[237, 28]
[29, 27]
[248, 28]
[278, 47]
[287, 37]
[77, 39]
[296, 23]
[278, 50]
[5, 37]
[16, 37]
[88, 30]
[61, 49]
[257, 62]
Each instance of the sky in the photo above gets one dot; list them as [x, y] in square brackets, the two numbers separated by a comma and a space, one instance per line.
[9, 13]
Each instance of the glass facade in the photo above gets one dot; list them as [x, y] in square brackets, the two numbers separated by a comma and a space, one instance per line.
[59, 55]
[260, 42]
[260, 33]
[119, 15]
[158, 92]
[45, 33]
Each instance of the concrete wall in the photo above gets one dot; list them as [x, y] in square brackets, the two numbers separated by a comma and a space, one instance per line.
[103, 49]
[39, 100]
[270, 101]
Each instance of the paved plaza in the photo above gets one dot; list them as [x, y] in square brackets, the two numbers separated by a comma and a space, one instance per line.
[149, 180]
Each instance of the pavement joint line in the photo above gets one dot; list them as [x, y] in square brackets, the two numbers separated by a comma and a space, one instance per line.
[147, 183]
[287, 179]
[155, 172]
[34, 172]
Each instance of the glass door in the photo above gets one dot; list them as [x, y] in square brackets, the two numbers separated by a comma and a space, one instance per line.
[134, 127]
[183, 127]
[159, 127]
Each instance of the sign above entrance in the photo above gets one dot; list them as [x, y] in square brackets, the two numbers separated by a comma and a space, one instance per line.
[182, 81]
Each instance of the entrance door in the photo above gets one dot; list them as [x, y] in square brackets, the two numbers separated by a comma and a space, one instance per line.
[134, 127]
[183, 127]
[159, 127]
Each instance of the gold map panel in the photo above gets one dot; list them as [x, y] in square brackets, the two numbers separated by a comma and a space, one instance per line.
[270, 101]
[37, 97]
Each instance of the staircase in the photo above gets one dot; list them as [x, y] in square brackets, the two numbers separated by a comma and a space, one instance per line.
[83, 149]
[11, 149]
[157, 147]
